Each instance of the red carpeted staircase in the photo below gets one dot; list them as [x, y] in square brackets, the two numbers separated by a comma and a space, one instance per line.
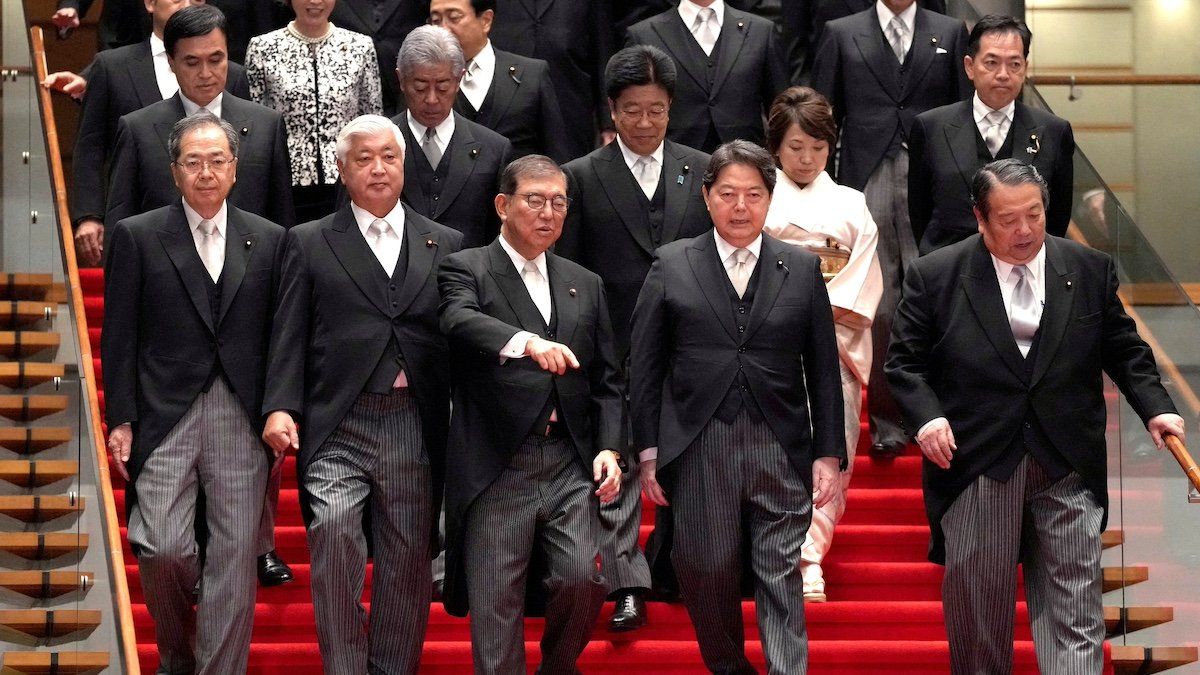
[884, 612]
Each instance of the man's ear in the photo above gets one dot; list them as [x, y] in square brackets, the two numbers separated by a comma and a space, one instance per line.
[501, 203]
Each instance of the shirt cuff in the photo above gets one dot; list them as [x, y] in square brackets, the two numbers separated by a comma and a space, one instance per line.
[929, 424]
[515, 347]
[648, 455]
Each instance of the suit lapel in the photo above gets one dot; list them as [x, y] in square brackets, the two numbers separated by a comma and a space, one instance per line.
[543, 6]
[239, 246]
[960, 135]
[710, 275]
[414, 190]
[729, 46]
[983, 293]
[235, 113]
[619, 186]
[357, 258]
[463, 154]
[1026, 135]
[773, 268]
[177, 239]
[924, 47]
[506, 79]
[143, 78]
[163, 128]
[566, 300]
[879, 59]
[677, 197]
[420, 258]
[508, 279]
[676, 37]
[1059, 301]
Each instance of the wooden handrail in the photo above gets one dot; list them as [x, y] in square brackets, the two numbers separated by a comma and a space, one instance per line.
[1185, 460]
[112, 529]
[1112, 80]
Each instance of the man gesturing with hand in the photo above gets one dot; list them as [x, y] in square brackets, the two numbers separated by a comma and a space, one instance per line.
[536, 424]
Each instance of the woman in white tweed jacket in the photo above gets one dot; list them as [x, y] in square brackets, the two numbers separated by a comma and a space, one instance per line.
[319, 77]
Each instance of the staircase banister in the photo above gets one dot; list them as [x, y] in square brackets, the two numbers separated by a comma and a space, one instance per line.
[1186, 462]
[112, 528]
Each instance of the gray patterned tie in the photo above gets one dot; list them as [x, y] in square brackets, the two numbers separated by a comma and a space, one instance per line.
[1024, 312]
[895, 35]
[430, 147]
[212, 248]
[739, 271]
[991, 135]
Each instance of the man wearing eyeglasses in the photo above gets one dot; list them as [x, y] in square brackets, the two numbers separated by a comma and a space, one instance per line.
[629, 198]
[190, 294]
[452, 173]
[535, 431]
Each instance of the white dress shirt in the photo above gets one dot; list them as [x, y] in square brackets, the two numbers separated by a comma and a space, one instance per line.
[908, 17]
[167, 84]
[632, 158]
[442, 132]
[220, 220]
[480, 69]
[981, 111]
[387, 249]
[688, 11]
[1037, 279]
[539, 293]
[190, 107]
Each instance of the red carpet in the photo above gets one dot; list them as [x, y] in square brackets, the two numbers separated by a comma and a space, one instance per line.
[884, 612]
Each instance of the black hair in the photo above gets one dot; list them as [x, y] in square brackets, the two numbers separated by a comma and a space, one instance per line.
[997, 23]
[636, 66]
[191, 22]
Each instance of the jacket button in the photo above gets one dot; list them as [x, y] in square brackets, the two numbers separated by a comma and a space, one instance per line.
[550, 334]
[741, 350]
[394, 304]
[741, 329]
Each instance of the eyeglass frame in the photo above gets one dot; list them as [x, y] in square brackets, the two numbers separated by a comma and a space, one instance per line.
[530, 196]
[209, 164]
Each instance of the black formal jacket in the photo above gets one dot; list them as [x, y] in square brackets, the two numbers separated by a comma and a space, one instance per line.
[687, 353]
[608, 229]
[398, 18]
[944, 158]
[465, 196]
[141, 172]
[872, 98]
[573, 37]
[160, 340]
[750, 72]
[485, 303]
[120, 81]
[953, 355]
[126, 22]
[334, 323]
[522, 106]
[817, 13]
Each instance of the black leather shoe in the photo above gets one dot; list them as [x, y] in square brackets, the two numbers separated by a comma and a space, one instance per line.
[272, 571]
[887, 450]
[629, 613]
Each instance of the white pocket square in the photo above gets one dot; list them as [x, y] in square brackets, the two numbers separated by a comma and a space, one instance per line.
[941, 51]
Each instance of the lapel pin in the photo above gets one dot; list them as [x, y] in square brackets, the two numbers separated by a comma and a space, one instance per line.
[686, 168]
[474, 153]
[245, 130]
[1068, 284]
[741, 25]
[512, 72]
[429, 243]
[933, 41]
[571, 292]
[249, 243]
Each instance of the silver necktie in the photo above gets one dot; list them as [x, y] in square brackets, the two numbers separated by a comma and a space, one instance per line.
[212, 248]
[377, 234]
[1024, 313]
[646, 170]
[895, 35]
[739, 273]
[704, 28]
[539, 290]
[430, 147]
[992, 136]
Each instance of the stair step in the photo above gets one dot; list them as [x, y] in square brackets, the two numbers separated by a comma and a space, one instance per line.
[1135, 659]
[26, 286]
[39, 509]
[20, 374]
[34, 546]
[37, 473]
[1135, 618]
[24, 312]
[50, 623]
[22, 343]
[27, 408]
[51, 663]
[1112, 538]
[44, 585]
[1120, 577]
[29, 440]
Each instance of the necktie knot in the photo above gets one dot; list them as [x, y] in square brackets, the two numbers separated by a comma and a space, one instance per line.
[1018, 273]
[379, 228]
[741, 256]
[531, 269]
[706, 13]
[470, 72]
[208, 228]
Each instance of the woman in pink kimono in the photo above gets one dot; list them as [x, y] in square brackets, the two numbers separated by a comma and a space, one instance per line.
[809, 209]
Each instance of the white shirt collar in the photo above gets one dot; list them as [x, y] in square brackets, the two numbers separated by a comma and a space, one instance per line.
[632, 157]
[725, 249]
[193, 218]
[519, 260]
[443, 131]
[190, 107]
[1036, 267]
[157, 46]
[908, 16]
[688, 11]
[395, 218]
[980, 109]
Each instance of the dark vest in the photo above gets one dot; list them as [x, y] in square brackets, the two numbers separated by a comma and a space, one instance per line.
[392, 361]
[739, 396]
[431, 180]
[981, 148]
[901, 72]
[550, 332]
[214, 307]
[711, 62]
[655, 208]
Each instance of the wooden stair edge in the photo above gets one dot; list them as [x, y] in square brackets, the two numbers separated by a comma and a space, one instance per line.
[66, 662]
[1125, 620]
[1112, 538]
[43, 585]
[40, 508]
[1132, 659]
[50, 623]
[1120, 577]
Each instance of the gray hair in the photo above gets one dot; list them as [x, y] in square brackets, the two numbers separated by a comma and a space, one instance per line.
[529, 166]
[428, 46]
[1010, 172]
[200, 118]
[366, 125]
[741, 152]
